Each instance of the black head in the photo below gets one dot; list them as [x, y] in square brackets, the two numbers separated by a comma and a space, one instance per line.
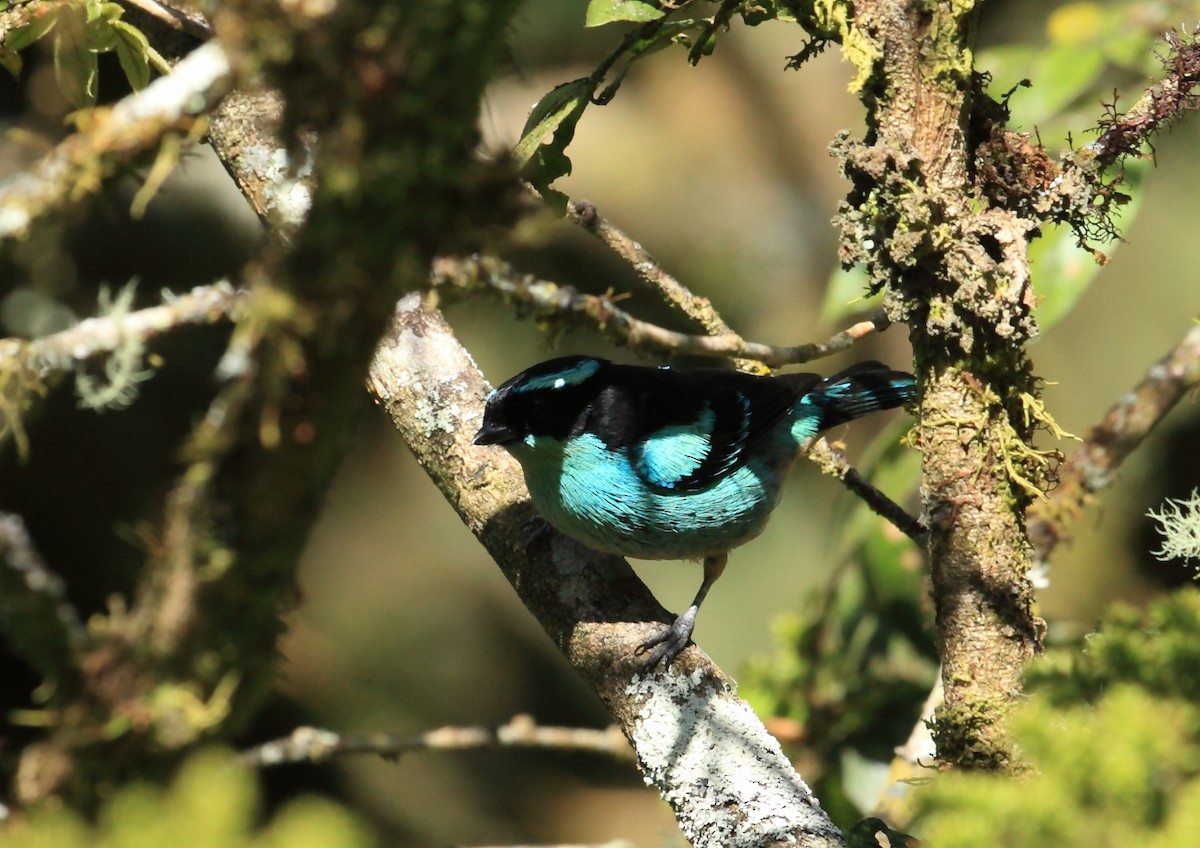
[547, 399]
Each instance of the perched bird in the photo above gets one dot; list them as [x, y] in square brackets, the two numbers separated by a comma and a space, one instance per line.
[665, 463]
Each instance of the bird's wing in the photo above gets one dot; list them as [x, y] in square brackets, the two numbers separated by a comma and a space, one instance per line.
[701, 425]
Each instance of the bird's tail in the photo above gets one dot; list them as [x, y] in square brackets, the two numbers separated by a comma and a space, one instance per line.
[860, 389]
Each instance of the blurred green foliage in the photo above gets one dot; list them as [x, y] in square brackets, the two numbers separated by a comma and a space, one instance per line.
[213, 802]
[856, 662]
[1112, 736]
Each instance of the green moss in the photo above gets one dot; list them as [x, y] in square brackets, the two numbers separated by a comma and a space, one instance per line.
[1113, 739]
[212, 802]
[835, 17]
[970, 736]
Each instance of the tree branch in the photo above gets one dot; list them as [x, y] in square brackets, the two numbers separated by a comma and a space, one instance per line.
[183, 19]
[1120, 432]
[91, 337]
[1123, 134]
[551, 302]
[698, 309]
[77, 167]
[42, 625]
[26, 366]
[722, 773]
[958, 275]
[313, 745]
[196, 651]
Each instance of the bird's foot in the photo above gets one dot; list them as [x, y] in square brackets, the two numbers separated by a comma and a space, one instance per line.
[669, 643]
[536, 530]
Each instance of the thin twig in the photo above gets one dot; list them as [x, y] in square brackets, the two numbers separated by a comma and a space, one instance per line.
[40, 622]
[94, 336]
[834, 463]
[550, 301]
[184, 20]
[76, 167]
[1123, 134]
[674, 293]
[312, 745]
[1124, 426]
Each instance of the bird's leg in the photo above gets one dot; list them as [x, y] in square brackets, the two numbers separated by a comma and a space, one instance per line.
[675, 638]
[535, 530]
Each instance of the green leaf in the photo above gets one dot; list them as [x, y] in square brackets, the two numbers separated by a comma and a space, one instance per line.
[133, 50]
[1061, 74]
[10, 60]
[100, 35]
[19, 39]
[601, 12]
[74, 64]
[549, 129]
[555, 108]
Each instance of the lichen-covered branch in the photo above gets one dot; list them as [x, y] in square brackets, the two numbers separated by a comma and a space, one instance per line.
[313, 745]
[720, 770]
[1077, 188]
[551, 303]
[1122, 429]
[77, 167]
[243, 131]
[1123, 133]
[28, 366]
[958, 275]
[91, 337]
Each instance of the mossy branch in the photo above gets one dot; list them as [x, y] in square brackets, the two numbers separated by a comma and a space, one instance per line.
[958, 274]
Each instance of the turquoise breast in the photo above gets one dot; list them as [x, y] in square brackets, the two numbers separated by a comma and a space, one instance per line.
[595, 496]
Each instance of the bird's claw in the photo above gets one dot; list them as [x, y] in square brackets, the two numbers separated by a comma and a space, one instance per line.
[536, 530]
[669, 643]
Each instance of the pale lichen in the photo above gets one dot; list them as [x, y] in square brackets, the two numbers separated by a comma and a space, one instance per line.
[1179, 523]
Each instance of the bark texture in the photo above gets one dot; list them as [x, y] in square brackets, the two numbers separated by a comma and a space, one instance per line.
[956, 271]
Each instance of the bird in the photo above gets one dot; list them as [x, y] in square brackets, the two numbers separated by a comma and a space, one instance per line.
[670, 463]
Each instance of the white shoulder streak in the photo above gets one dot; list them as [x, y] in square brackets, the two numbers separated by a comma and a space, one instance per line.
[572, 376]
[712, 754]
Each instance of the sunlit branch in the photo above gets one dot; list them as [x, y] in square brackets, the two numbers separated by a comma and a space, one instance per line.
[77, 167]
[312, 745]
[1124, 426]
[673, 292]
[550, 302]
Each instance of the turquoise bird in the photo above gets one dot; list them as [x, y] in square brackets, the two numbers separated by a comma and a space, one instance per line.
[666, 463]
